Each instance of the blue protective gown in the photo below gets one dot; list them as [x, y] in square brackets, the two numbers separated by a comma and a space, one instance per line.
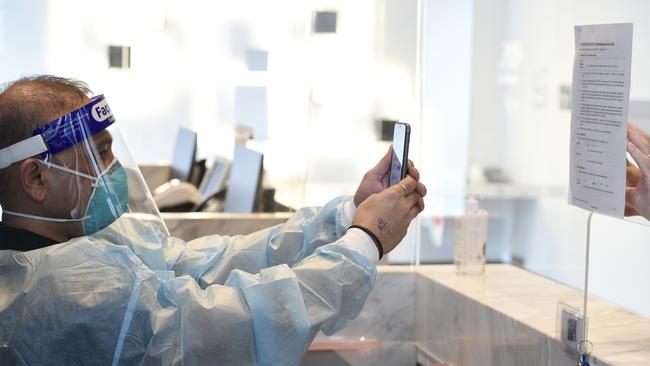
[257, 299]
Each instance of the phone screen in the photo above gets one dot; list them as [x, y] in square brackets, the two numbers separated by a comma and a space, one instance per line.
[400, 152]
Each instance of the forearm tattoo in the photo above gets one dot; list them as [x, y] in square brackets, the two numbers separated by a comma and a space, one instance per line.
[383, 225]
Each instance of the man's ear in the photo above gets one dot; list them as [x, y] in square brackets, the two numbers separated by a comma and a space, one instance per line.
[32, 181]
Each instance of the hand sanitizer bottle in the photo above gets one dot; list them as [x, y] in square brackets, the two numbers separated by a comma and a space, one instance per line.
[471, 236]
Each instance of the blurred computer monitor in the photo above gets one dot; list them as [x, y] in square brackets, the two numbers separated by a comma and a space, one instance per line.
[245, 184]
[215, 178]
[184, 155]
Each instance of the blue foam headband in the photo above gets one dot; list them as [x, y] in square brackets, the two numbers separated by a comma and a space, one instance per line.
[76, 126]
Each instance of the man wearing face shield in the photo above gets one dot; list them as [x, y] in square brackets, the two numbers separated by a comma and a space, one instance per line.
[90, 275]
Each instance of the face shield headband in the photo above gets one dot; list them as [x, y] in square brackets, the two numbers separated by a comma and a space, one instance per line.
[58, 135]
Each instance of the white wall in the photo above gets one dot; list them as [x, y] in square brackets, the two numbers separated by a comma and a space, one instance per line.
[70, 38]
[488, 119]
[187, 57]
[17, 40]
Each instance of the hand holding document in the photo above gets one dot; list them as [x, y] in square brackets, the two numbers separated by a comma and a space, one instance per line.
[601, 89]
[637, 190]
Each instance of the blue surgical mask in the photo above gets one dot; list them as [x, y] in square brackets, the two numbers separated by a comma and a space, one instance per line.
[108, 201]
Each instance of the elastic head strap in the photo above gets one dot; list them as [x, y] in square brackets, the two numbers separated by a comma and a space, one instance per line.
[22, 150]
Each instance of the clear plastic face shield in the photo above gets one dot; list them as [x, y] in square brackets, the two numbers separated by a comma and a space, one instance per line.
[94, 186]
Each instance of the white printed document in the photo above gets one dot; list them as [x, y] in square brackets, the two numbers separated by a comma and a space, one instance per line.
[601, 89]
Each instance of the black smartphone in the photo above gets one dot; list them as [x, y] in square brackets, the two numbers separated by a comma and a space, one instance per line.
[400, 158]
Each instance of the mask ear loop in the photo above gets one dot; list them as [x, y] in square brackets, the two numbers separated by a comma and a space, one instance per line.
[94, 180]
[42, 218]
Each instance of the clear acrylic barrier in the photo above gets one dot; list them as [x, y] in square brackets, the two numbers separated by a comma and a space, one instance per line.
[486, 88]
[619, 317]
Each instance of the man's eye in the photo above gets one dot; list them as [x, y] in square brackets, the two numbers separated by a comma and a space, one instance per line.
[104, 156]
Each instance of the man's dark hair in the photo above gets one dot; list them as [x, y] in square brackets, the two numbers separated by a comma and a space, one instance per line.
[29, 103]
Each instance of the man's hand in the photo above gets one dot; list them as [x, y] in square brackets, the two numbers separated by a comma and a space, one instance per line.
[388, 213]
[637, 190]
[376, 180]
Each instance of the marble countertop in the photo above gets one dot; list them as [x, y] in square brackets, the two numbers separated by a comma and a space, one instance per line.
[506, 317]
[620, 337]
